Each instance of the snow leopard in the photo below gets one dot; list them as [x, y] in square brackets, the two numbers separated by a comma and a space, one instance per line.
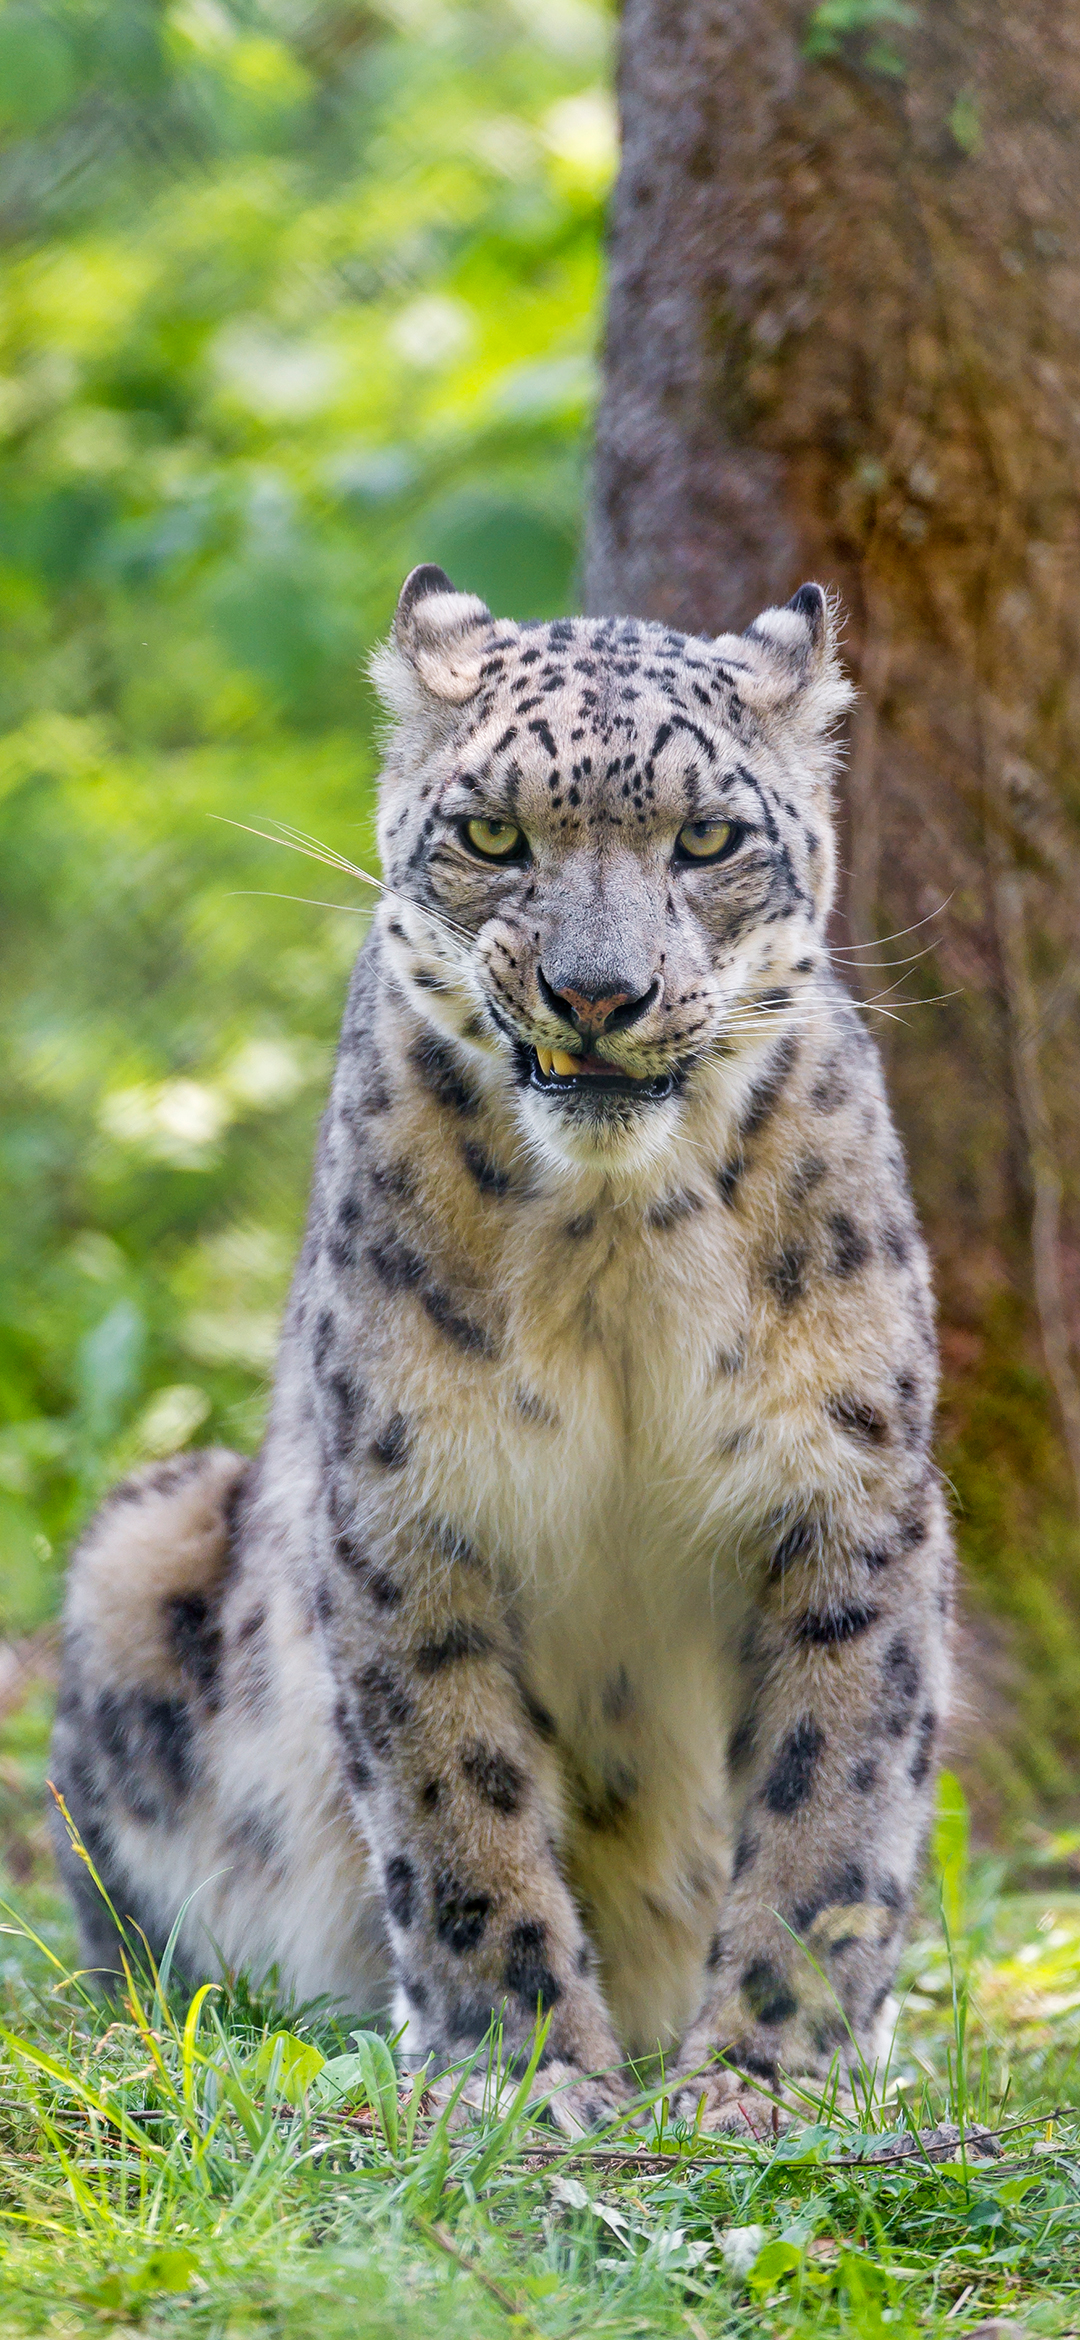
[574, 1651]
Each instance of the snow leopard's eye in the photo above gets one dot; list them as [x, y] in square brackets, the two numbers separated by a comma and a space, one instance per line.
[495, 840]
[707, 840]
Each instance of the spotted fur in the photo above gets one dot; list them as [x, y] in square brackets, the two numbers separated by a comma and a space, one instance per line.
[575, 1642]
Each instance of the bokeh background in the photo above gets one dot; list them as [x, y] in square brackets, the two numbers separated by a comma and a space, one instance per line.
[294, 294]
[293, 298]
[297, 293]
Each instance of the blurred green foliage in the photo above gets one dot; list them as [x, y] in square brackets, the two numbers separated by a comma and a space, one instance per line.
[292, 298]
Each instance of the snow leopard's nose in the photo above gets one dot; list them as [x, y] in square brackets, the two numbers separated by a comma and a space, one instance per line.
[592, 1012]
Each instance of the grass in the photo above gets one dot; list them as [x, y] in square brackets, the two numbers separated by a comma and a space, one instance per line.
[229, 2167]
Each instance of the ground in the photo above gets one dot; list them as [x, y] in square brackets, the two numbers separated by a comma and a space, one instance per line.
[234, 2168]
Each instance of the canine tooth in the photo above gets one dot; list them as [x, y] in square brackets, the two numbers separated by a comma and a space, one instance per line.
[562, 1063]
[543, 1058]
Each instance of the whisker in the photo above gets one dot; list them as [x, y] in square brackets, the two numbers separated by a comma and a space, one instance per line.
[746, 1024]
[891, 987]
[263, 894]
[845, 950]
[326, 854]
[305, 842]
[910, 1004]
[910, 959]
[938, 1000]
[314, 852]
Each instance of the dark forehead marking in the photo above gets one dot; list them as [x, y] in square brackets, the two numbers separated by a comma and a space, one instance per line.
[612, 654]
[676, 722]
[744, 774]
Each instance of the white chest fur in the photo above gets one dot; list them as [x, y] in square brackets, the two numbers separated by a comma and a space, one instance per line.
[610, 1469]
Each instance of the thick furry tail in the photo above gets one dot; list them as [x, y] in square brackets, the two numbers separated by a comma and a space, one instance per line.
[141, 1644]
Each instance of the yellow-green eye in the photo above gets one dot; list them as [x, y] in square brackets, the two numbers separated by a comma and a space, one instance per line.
[496, 840]
[705, 840]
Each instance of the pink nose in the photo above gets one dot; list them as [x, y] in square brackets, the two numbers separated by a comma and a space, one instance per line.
[591, 1012]
[593, 1015]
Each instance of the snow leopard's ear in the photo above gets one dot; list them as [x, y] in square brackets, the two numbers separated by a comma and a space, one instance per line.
[436, 648]
[788, 666]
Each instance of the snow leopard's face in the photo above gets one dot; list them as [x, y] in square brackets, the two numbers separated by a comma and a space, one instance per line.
[624, 836]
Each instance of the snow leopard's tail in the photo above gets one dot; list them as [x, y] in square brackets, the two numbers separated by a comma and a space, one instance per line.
[138, 1683]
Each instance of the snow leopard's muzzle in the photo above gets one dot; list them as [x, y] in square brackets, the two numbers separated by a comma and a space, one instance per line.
[590, 1013]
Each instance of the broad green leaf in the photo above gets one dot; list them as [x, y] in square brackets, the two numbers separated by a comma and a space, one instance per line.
[287, 2065]
[380, 2080]
[773, 2262]
[340, 2080]
[169, 2269]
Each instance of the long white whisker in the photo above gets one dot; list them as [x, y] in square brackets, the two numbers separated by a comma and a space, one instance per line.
[901, 931]
[938, 1001]
[263, 894]
[911, 959]
[313, 852]
[749, 1025]
[305, 842]
[333, 860]
[891, 987]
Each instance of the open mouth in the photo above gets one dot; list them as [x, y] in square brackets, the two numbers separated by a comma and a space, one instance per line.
[557, 1073]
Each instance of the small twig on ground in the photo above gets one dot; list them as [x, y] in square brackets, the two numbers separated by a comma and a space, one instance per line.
[444, 2241]
[929, 2146]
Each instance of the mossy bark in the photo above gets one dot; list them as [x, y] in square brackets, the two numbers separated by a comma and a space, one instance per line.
[844, 342]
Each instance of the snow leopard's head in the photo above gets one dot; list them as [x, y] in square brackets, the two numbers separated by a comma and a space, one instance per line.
[610, 848]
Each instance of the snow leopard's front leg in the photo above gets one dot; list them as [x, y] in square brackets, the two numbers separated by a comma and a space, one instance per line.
[447, 1760]
[831, 1768]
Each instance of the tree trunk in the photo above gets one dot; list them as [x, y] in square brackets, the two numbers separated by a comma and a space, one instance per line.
[844, 343]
